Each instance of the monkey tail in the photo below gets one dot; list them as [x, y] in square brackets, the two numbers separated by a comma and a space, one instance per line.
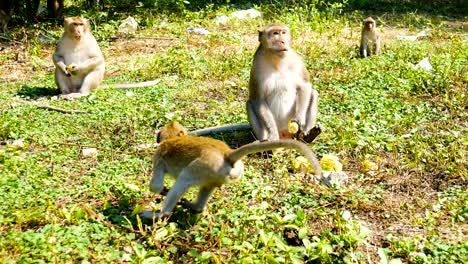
[130, 85]
[255, 147]
[219, 129]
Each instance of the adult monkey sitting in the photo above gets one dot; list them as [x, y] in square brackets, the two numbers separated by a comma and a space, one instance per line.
[279, 89]
[370, 38]
[79, 63]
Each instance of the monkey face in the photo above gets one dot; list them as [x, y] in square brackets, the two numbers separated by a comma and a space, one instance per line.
[279, 39]
[76, 27]
[276, 38]
[369, 26]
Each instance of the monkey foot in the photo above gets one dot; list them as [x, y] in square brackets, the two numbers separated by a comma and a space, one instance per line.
[72, 96]
[149, 215]
[190, 206]
[313, 133]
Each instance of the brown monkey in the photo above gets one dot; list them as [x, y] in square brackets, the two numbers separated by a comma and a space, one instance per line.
[279, 89]
[79, 61]
[369, 34]
[171, 130]
[204, 162]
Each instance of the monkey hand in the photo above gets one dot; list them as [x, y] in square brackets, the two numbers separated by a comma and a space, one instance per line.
[149, 215]
[71, 68]
[293, 127]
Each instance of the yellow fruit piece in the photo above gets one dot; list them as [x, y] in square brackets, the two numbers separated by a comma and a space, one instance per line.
[369, 166]
[71, 67]
[293, 127]
[301, 164]
[331, 163]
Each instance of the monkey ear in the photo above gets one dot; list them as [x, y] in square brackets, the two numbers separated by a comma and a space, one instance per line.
[260, 33]
[85, 21]
[158, 136]
[181, 133]
[67, 20]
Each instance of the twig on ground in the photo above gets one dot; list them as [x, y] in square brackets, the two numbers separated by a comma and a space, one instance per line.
[61, 110]
[101, 148]
[135, 37]
[101, 220]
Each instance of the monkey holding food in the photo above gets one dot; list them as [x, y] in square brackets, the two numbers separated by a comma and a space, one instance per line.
[204, 162]
[279, 89]
[78, 60]
[79, 63]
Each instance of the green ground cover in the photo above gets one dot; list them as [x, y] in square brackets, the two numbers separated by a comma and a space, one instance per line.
[59, 206]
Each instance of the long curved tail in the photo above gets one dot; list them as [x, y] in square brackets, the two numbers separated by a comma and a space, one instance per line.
[130, 85]
[219, 129]
[255, 147]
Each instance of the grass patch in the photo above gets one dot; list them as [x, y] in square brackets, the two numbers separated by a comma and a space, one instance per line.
[58, 206]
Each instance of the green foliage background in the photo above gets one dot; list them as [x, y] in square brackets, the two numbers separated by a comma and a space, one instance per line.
[59, 206]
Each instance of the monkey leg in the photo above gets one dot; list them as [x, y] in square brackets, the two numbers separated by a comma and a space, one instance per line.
[63, 82]
[304, 103]
[311, 130]
[183, 182]
[312, 111]
[377, 47]
[203, 196]
[262, 121]
[369, 50]
[173, 196]
[91, 82]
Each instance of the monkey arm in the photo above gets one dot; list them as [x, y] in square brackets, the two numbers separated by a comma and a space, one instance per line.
[262, 120]
[90, 64]
[363, 49]
[60, 62]
[157, 181]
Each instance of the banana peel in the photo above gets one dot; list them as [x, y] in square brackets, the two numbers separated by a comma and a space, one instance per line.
[293, 127]
[301, 164]
[331, 163]
[369, 167]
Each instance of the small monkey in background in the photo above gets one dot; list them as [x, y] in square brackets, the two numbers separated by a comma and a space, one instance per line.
[369, 34]
[279, 89]
[79, 63]
[204, 162]
[55, 8]
[4, 18]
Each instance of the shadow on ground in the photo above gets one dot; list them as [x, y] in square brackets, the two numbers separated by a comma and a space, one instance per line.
[35, 92]
[235, 138]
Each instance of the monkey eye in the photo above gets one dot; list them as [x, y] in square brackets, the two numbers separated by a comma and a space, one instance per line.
[276, 33]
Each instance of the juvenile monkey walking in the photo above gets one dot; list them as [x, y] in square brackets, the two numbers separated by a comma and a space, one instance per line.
[204, 162]
[279, 89]
[370, 38]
